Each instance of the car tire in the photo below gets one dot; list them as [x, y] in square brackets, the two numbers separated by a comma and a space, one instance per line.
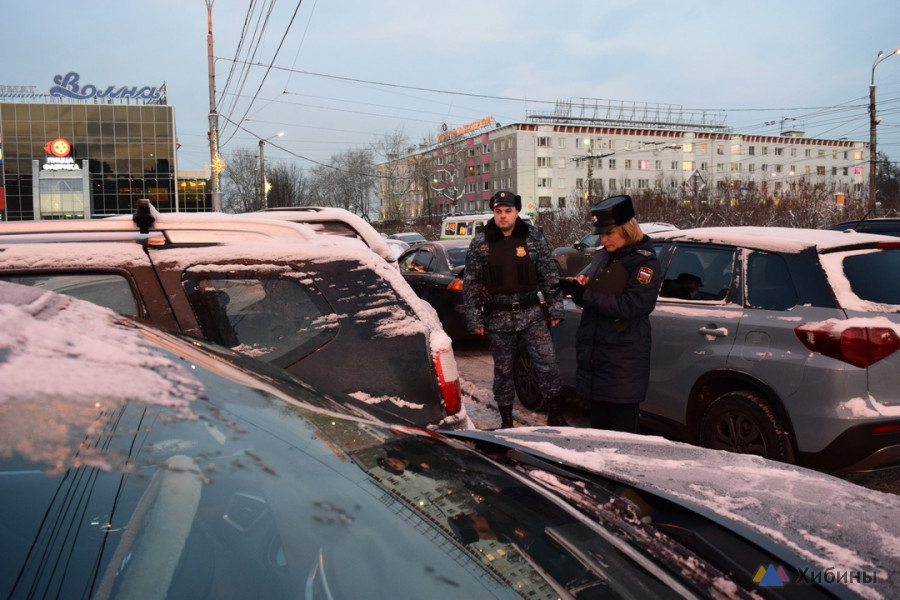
[743, 422]
[525, 380]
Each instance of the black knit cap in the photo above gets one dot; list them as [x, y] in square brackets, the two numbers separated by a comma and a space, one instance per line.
[612, 212]
[505, 198]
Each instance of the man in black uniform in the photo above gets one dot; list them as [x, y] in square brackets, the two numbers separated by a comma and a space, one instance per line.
[508, 265]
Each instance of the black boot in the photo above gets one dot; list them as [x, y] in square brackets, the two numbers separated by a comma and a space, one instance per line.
[555, 416]
[506, 420]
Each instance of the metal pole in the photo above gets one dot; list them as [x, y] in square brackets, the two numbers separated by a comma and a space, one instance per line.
[215, 163]
[262, 176]
[873, 121]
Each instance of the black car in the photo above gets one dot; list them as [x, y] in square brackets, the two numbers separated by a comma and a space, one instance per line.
[143, 464]
[882, 226]
[571, 260]
[434, 271]
[323, 307]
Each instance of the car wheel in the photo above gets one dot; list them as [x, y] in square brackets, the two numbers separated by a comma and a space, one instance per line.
[743, 422]
[525, 380]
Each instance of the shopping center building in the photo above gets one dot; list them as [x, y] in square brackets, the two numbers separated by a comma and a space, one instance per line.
[79, 150]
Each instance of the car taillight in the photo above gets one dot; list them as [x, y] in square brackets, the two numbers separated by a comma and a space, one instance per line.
[456, 285]
[858, 346]
[448, 379]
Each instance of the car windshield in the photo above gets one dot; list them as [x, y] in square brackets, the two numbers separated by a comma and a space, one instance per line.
[251, 494]
[457, 256]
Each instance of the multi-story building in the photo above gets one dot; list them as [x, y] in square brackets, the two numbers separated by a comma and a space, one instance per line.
[81, 151]
[591, 149]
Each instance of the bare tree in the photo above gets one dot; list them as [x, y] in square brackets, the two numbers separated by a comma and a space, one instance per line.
[240, 182]
[290, 186]
[347, 181]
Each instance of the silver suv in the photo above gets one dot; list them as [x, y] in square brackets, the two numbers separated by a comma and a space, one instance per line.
[787, 348]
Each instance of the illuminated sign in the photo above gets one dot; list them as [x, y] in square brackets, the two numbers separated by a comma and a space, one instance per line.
[465, 129]
[59, 159]
[68, 85]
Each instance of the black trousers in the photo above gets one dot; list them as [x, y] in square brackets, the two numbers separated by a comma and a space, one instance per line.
[615, 416]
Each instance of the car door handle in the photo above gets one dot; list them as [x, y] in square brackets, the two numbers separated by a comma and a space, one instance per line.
[713, 331]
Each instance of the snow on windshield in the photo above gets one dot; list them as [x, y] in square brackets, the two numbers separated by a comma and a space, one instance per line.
[55, 374]
[828, 521]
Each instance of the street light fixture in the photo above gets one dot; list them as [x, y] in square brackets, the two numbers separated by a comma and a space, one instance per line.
[262, 169]
[873, 122]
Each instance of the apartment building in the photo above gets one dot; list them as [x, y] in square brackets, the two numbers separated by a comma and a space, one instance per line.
[587, 150]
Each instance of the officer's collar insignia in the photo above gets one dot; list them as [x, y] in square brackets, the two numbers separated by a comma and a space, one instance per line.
[520, 251]
[645, 274]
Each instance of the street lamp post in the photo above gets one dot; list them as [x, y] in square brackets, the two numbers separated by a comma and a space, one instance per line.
[873, 122]
[262, 169]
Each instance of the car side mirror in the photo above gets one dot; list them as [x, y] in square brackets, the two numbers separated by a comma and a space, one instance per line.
[578, 246]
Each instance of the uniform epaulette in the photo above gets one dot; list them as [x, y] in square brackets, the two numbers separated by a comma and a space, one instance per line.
[645, 252]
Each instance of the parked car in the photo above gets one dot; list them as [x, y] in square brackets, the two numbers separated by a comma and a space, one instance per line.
[788, 349]
[463, 227]
[323, 307]
[571, 260]
[333, 221]
[881, 225]
[410, 237]
[397, 247]
[146, 465]
[434, 272]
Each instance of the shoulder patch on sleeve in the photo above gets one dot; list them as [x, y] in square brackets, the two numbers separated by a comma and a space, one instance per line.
[645, 274]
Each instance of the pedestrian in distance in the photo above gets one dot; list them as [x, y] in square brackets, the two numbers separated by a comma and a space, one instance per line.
[617, 292]
[511, 293]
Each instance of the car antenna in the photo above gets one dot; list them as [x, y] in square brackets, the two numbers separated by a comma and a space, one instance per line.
[865, 216]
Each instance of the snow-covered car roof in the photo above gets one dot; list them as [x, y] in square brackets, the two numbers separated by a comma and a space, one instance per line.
[336, 216]
[773, 239]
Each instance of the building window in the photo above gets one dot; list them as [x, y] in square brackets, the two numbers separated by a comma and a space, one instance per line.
[561, 163]
[628, 164]
[543, 161]
[627, 184]
[779, 151]
[543, 142]
[720, 149]
[735, 167]
[643, 165]
[820, 170]
[765, 150]
[612, 164]
[612, 185]
[687, 165]
[688, 147]
[561, 143]
[627, 144]
[735, 148]
[544, 182]
[612, 145]
[561, 202]
[674, 165]
[543, 201]
[485, 148]
[751, 150]
[643, 184]
[561, 182]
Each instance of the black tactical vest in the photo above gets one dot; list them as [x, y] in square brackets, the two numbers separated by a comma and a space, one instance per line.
[509, 269]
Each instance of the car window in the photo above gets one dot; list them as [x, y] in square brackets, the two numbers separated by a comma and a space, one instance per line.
[264, 316]
[590, 240]
[698, 273]
[872, 275]
[769, 283]
[422, 261]
[111, 290]
[457, 256]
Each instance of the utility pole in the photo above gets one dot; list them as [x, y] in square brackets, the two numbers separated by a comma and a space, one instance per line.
[873, 122]
[262, 176]
[590, 156]
[215, 163]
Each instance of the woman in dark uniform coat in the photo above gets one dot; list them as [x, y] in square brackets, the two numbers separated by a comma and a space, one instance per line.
[617, 292]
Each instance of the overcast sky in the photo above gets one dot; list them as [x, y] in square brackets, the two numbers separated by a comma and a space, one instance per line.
[344, 73]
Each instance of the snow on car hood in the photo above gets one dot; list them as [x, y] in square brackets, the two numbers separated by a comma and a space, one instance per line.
[56, 376]
[828, 521]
